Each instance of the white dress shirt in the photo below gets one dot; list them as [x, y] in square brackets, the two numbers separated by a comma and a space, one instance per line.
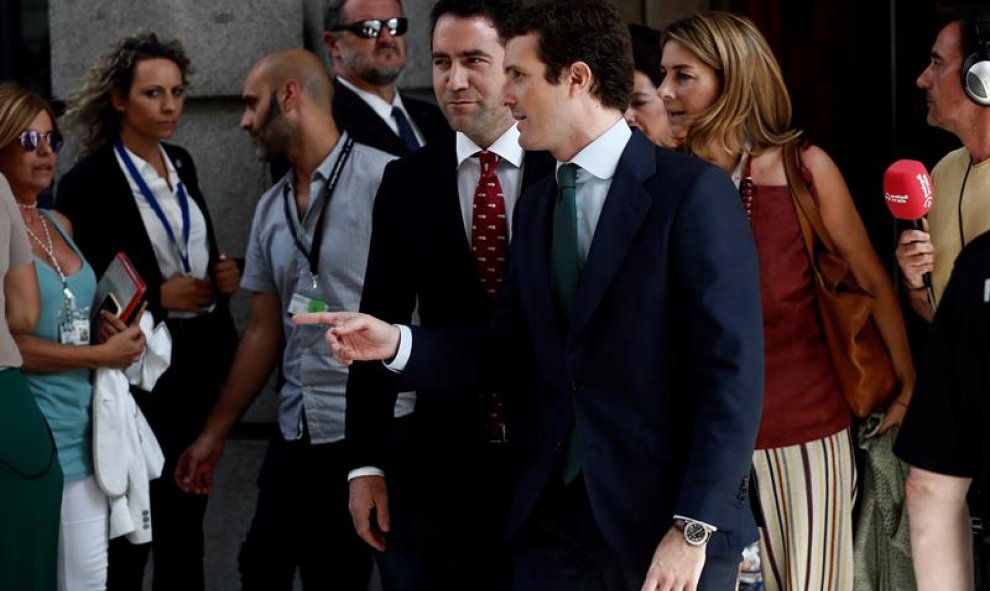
[383, 109]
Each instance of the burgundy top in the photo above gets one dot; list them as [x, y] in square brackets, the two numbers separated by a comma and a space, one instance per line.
[801, 401]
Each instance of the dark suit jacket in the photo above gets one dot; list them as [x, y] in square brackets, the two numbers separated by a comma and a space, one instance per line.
[97, 199]
[419, 251]
[365, 126]
[662, 367]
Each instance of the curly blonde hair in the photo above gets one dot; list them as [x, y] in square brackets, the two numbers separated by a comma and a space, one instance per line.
[754, 102]
[18, 107]
[91, 108]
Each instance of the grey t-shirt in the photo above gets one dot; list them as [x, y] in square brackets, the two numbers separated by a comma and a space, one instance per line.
[15, 251]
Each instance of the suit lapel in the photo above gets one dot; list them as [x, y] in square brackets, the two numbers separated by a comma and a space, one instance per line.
[624, 211]
[140, 250]
[531, 252]
[354, 115]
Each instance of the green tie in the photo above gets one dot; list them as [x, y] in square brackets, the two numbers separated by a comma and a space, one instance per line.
[565, 265]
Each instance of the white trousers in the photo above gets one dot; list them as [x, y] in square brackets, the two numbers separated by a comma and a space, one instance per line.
[83, 537]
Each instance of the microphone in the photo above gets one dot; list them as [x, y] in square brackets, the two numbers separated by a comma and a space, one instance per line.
[907, 189]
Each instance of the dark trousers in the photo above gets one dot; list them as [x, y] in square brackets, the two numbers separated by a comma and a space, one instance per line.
[302, 522]
[176, 411]
[448, 518]
[562, 548]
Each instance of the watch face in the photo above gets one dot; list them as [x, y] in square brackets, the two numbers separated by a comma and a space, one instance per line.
[695, 533]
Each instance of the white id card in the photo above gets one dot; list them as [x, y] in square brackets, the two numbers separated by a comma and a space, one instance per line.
[300, 304]
[74, 331]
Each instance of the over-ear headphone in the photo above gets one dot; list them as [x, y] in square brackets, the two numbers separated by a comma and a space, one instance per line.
[976, 69]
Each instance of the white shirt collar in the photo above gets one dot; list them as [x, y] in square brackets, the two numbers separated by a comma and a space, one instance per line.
[377, 103]
[506, 147]
[148, 171]
[601, 156]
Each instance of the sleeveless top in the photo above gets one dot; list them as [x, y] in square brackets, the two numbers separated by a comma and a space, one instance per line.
[65, 397]
[801, 399]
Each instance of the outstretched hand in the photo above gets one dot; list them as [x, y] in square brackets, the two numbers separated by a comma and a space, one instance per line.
[355, 337]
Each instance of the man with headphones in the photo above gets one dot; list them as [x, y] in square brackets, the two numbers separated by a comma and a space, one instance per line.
[943, 436]
[957, 91]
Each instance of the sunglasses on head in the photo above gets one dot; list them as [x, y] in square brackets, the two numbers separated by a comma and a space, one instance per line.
[373, 27]
[31, 139]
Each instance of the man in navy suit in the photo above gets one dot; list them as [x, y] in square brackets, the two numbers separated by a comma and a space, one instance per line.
[366, 43]
[633, 288]
[425, 224]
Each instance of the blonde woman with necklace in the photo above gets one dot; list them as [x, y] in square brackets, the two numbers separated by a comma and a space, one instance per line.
[58, 356]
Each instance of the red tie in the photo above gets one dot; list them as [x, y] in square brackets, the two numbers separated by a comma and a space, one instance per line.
[489, 244]
[489, 232]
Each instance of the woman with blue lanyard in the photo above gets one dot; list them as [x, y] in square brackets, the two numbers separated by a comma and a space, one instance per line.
[133, 193]
[57, 354]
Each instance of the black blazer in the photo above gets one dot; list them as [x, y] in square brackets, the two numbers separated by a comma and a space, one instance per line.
[662, 364]
[359, 120]
[97, 199]
[420, 252]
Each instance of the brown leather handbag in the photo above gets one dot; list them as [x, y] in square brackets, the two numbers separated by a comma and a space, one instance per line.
[859, 355]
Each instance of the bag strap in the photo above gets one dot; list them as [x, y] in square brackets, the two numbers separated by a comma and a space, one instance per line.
[808, 214]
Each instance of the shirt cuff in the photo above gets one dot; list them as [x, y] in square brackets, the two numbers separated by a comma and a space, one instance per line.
[365, 471]
[707, 525]
[405, 350]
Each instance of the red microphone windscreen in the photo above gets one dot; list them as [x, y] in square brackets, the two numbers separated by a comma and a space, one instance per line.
[907, 189]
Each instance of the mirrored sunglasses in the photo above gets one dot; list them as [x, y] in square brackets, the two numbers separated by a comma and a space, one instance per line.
[372, 28]
[31, 139]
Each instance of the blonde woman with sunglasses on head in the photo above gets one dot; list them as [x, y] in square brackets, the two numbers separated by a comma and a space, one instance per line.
[58, 355]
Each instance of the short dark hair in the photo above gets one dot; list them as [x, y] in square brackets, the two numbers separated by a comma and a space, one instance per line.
[965, 14]
[589, 31]
[647, 51]
[498, 12]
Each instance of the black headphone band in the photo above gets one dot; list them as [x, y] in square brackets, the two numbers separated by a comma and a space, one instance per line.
[981, 28]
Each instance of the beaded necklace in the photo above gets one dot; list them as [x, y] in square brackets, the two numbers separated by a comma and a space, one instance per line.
[746, 191]
[742, 176]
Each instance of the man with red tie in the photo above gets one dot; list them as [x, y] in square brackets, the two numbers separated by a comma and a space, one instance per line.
[440, 236]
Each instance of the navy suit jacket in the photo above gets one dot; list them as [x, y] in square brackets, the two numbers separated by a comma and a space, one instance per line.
[420, 254]
[354, 115]
[662, 366]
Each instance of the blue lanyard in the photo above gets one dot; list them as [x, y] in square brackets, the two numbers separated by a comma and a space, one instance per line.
[150, 198]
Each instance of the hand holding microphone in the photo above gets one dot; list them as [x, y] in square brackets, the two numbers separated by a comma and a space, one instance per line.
[907, 189]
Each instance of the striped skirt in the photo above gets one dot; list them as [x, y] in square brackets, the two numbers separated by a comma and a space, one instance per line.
[806, 494]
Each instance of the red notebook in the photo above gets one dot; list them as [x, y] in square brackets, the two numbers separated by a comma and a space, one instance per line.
[120, 289]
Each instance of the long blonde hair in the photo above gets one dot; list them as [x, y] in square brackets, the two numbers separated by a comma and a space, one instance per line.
[91, 108]
[754, 102]
[18, 107]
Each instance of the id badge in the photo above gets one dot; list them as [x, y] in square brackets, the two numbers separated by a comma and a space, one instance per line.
[74, 330]
[300, 304]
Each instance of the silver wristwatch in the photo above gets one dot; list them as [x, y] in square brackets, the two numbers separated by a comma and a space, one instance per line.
[695, 533]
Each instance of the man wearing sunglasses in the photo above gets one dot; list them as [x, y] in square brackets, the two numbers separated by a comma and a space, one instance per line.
[366, 43]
